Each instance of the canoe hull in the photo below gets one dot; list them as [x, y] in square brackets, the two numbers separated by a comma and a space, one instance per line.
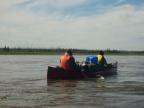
[53, 73]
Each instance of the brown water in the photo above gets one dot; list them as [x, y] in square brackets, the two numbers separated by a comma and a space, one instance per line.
[23, 84]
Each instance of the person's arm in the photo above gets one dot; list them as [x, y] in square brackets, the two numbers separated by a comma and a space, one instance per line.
[74, 65]
[105, 62]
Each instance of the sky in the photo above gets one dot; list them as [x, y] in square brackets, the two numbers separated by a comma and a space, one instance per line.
[80, 24]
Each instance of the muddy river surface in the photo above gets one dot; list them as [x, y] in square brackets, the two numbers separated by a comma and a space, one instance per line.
[24, 84]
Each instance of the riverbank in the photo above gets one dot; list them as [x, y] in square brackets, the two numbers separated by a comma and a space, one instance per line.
[60, 51]
[53, 53]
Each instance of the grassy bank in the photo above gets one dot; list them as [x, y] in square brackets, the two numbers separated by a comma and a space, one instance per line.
[55, 53]
[29, 53]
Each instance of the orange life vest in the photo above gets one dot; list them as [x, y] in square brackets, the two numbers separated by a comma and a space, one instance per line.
[65, 62]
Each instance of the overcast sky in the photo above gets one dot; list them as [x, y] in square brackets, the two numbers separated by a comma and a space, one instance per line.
[82, 24]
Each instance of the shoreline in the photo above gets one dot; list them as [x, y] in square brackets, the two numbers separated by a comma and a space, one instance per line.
[48, 53]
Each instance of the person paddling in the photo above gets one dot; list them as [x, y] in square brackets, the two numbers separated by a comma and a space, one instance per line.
[67, 62]
[102, 61]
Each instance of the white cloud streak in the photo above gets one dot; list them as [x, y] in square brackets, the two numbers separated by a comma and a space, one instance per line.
[56, 3]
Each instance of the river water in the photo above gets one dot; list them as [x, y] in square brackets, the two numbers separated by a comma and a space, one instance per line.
[23, 84]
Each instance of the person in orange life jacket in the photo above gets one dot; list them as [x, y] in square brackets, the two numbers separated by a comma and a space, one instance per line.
[67, 62]
[101, 60]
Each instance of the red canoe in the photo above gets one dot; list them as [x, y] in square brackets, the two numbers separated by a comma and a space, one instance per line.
[53, 73]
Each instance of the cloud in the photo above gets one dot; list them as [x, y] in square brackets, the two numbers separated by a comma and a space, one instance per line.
[23, 23]
[120, 1]
[55, 3]
[7, 4]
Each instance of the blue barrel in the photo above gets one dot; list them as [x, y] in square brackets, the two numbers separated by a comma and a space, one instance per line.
[92, 59]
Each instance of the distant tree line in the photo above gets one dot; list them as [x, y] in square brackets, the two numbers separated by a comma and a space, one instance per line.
[6, 49]
[62, 50]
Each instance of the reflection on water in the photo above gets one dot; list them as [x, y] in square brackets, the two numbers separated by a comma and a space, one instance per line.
[62, 83]
[23, 83]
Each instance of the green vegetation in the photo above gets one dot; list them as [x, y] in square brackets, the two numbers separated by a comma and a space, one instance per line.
[59, 51]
